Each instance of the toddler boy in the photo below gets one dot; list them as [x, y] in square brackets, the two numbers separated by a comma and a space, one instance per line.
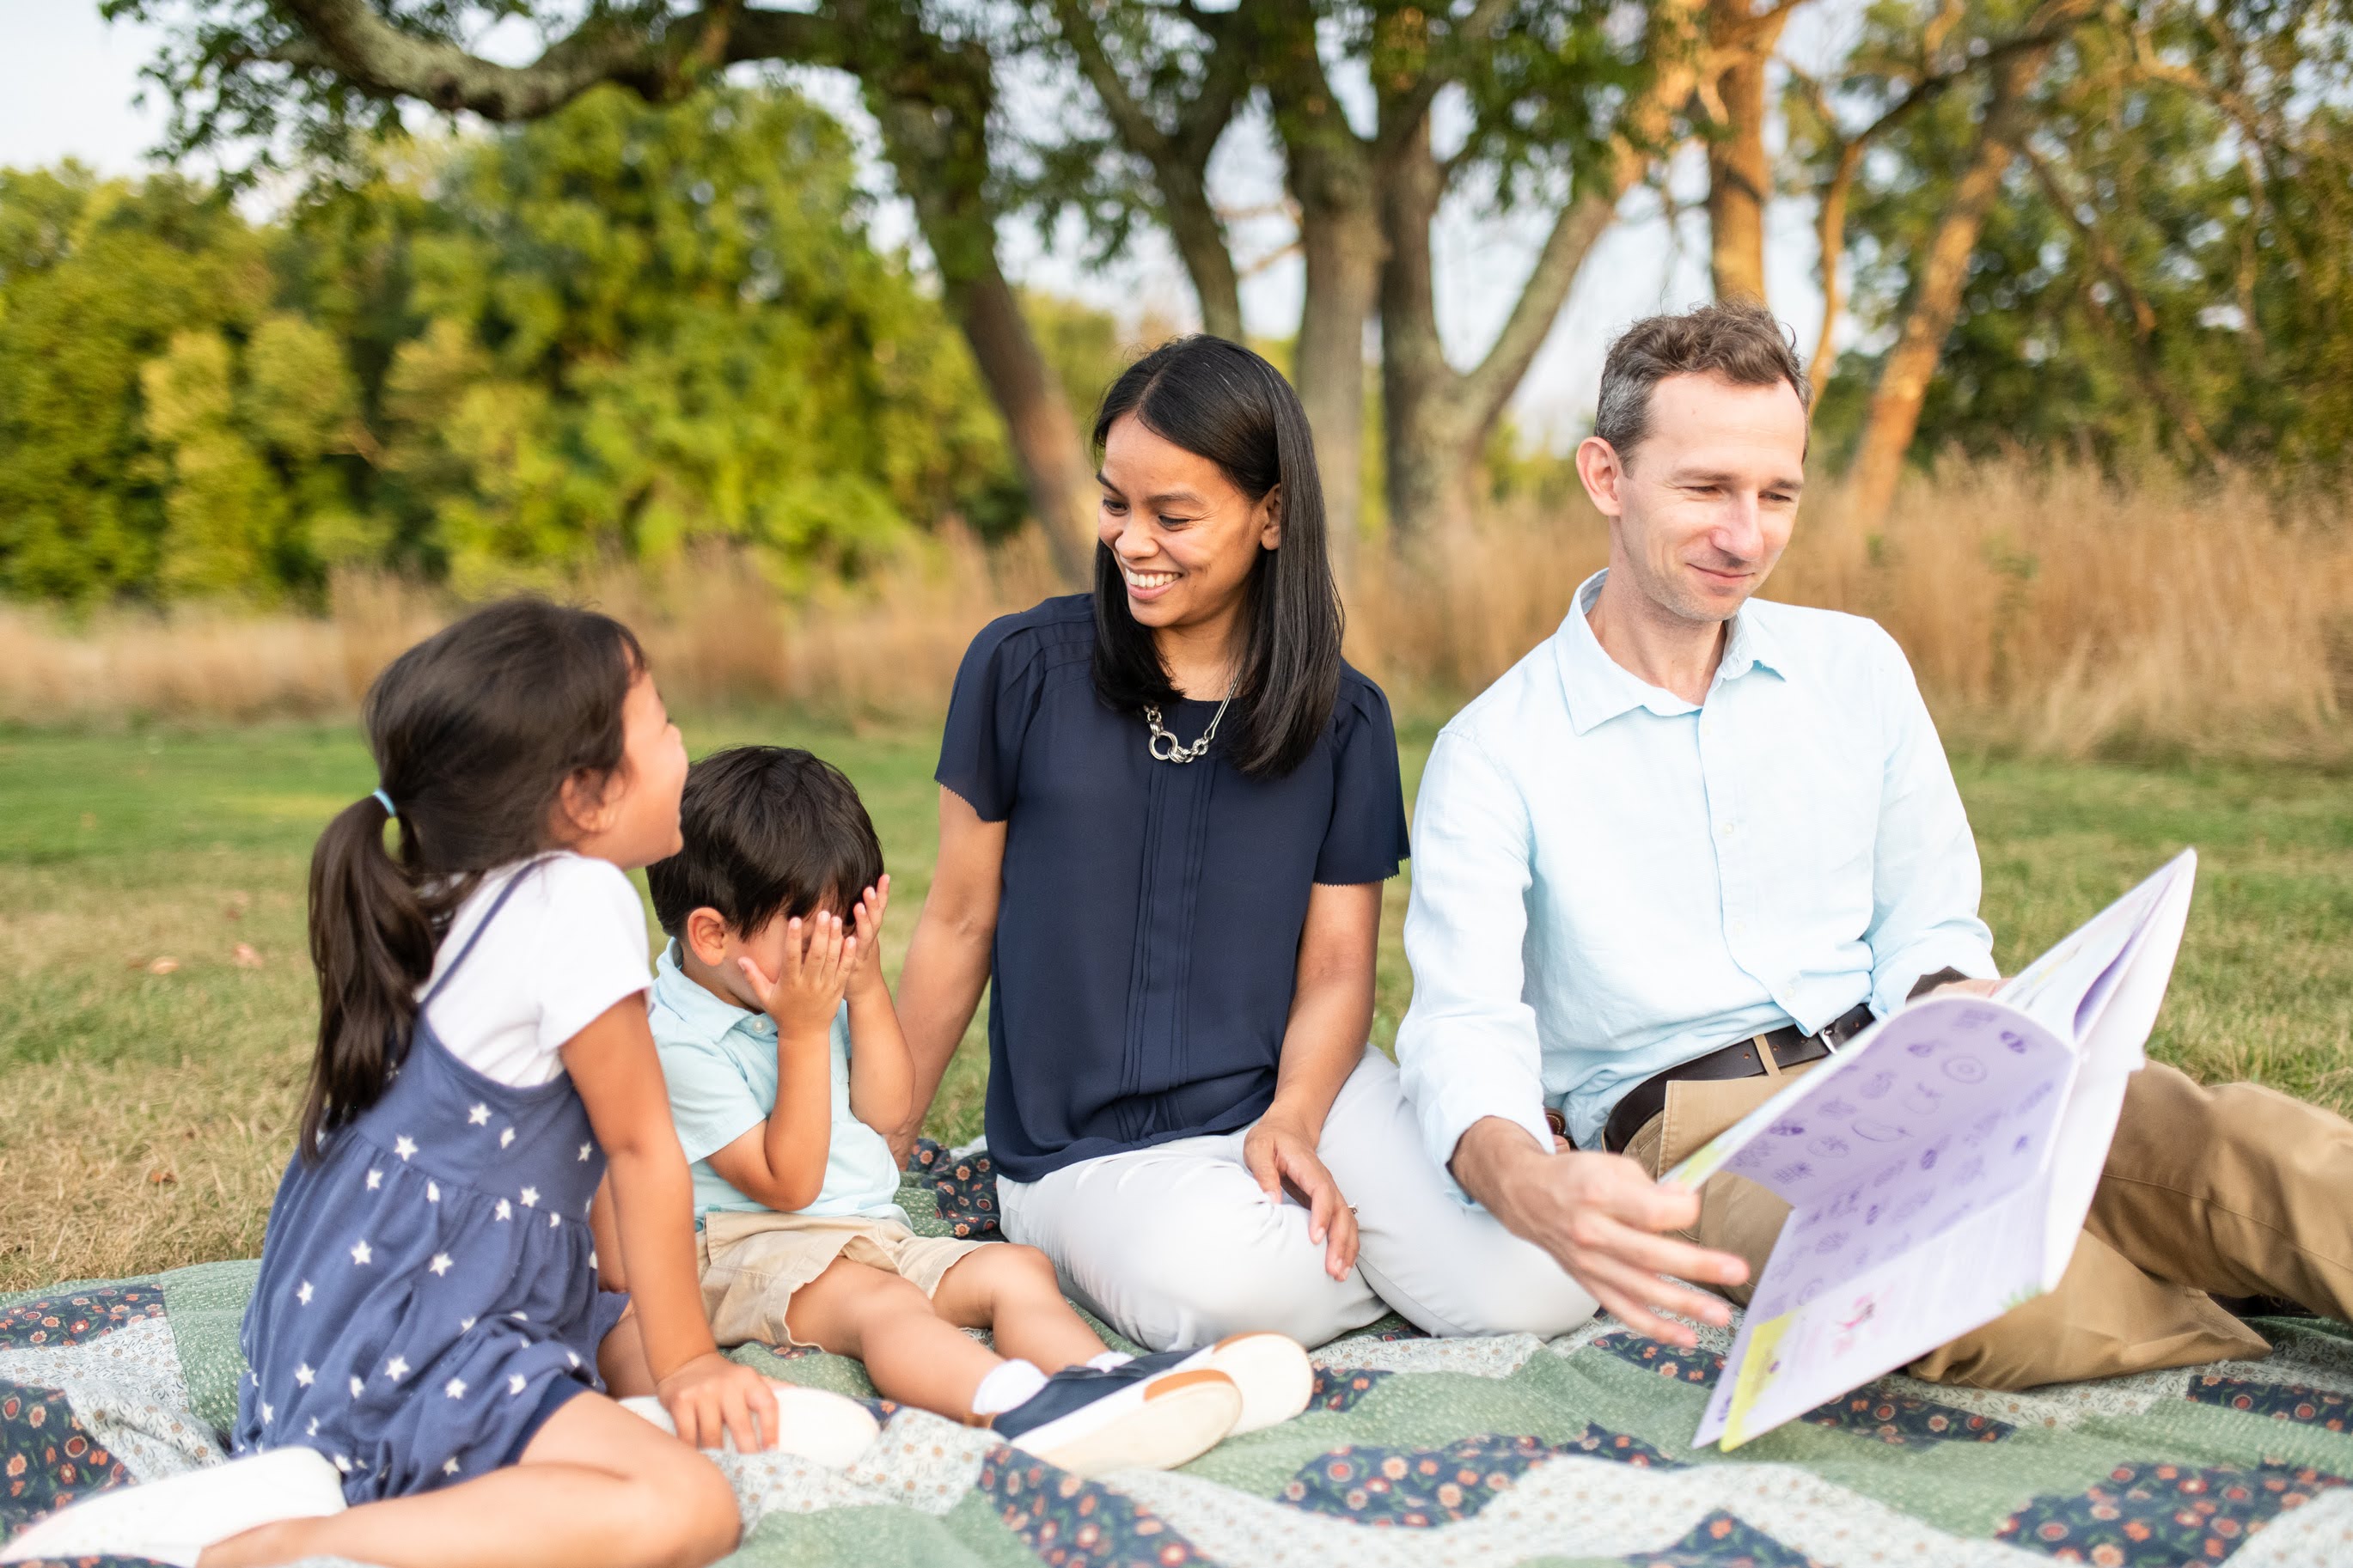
[782, 1056]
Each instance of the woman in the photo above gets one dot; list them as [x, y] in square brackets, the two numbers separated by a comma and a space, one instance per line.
[1167, 812]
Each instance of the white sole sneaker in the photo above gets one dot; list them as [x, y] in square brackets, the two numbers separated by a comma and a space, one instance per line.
[1171, 1420]
[172, 1521]
[813, 1424]
[1272, 1372]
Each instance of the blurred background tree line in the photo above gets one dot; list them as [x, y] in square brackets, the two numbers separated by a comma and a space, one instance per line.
[643, 309]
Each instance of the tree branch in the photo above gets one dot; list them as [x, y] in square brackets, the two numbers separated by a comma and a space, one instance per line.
[1401, 111]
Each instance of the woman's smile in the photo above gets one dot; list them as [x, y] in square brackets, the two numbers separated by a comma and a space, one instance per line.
[1144, 586]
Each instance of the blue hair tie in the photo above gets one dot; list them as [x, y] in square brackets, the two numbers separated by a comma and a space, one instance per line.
[389, 809]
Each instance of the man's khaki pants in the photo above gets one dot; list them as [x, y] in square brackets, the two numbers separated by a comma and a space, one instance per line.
[2232, 1191]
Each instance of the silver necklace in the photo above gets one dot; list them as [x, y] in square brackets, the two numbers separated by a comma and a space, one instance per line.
[1165, 748]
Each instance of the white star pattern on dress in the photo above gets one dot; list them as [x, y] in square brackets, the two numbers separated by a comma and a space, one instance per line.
[464, 1324]
[360, 1253]
[343, 1464]
[266, 1413]
[312, 1430]
[592, 1257]
[397, 1368]
[375, 1180]
[585, 1149]
[505, 1209]
[304, 1375]
[574, 1355]
[506, 1139]
[440, 1264]
[480, 1116]
[404, 1146]
[356, 1387]
[449, 1467]
[456, 1389]
[515, 1382]
[531, 1197]
[553, 1219]
[432, 1191]
[303, 1295]
[520, 1317]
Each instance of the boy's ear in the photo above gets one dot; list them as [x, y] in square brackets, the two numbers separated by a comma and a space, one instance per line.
[705, 936]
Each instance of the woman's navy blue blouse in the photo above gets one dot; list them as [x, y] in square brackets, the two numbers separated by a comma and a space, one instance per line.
[1148, 940]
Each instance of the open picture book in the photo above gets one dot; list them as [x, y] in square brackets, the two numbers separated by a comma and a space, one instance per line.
[1939, 1167]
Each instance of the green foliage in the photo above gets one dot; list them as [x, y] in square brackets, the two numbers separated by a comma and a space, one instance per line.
[2168, 270]
[610, 334]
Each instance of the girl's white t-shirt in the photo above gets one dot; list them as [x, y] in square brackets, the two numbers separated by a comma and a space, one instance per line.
[565, 947]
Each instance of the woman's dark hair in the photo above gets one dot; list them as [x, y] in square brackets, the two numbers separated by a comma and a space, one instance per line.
[1219, 400]
[769, 831]
[474, 731]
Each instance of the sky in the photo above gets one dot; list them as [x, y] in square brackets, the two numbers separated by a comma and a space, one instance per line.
[73, 89]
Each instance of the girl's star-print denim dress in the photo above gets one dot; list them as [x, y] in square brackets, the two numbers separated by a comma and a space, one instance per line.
[428, 1295]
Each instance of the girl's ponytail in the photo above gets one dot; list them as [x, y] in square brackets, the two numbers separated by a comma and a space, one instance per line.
[371, 942]
[474, 732]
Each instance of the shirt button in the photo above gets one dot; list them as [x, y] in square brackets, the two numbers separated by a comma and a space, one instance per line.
[1740, 928]
[1724, 828]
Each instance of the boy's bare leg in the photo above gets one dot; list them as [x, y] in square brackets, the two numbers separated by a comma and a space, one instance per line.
[1012, 1291]
[913, 1354]
[596, 1485]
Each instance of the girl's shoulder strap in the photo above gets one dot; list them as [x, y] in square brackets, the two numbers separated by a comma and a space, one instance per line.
[497, 903]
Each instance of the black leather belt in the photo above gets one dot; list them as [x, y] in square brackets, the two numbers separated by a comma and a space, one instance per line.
[1791, 1046]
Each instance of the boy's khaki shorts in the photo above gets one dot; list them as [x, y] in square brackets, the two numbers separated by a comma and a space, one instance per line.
[750, 1265]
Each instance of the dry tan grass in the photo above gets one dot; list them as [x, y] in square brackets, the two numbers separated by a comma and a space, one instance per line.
[2043, 609]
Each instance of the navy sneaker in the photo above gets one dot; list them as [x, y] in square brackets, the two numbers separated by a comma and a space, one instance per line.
[1272, 1371]
[1089, 1422]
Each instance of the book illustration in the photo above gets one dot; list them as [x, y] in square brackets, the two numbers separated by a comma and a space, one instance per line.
[1939, 1167]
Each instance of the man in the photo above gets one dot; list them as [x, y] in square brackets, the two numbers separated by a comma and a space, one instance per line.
[1696, 841]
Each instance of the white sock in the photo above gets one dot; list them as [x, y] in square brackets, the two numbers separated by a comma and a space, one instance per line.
[1009, 1384]
[1110, 1359]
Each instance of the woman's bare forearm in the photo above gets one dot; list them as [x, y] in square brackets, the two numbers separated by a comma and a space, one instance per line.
[939, 991]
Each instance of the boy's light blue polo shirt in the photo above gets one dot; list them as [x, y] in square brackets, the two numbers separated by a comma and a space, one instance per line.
[719, 1064]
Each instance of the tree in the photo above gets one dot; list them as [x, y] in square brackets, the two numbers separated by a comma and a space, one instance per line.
[318, 77]
[1740, 44]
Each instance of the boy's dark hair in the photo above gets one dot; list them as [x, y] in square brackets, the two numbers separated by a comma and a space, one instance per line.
[769, 831]
[1739, 342]
[474, 732]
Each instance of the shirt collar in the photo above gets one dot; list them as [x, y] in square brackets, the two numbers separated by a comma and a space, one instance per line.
[707, 1014]
[1599, 689]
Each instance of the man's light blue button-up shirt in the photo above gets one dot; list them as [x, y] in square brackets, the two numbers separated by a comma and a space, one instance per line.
[1609, 880]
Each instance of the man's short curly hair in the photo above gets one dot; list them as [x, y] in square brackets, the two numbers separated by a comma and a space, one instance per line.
[1741, 341]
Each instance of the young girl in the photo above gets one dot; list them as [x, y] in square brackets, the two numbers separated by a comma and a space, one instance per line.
[427, 1321]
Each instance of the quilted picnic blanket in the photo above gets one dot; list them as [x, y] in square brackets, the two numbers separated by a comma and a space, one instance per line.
[1414, 1453]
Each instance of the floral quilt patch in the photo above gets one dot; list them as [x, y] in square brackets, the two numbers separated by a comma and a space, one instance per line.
[1339, 1388]
[84, 1315]
[1074, 1523]
[2298, 1402]
[2158, 1513]
[46, 1459]
[1722, 1540]
[966, 1188]
[1899, 1420]
[1416, 1489]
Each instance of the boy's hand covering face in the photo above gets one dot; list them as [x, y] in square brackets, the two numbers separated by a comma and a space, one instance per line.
[821, 955]
[869, 934]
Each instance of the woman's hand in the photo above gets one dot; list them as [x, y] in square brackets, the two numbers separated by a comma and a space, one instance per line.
[712, 1398]
[806, 991]
[1279, 1149]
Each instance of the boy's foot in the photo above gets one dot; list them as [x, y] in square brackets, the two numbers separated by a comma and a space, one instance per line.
[1089, 1422]
[1272, 1372]
[172, 1521]
[811, 1423]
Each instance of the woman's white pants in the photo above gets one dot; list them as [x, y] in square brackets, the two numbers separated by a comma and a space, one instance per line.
[1175, 1245]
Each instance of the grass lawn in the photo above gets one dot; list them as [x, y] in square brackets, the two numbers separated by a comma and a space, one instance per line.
[156, 1003]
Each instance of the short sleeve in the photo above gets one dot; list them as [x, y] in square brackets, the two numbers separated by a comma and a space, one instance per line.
[710, 1103]
[1366, 840]
[988, 715]
[592, 948]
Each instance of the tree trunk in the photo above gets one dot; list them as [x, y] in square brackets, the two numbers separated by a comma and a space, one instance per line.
[1895, 402]
[1200, 240]
[1739, 179]
[1431, 452]
[933, 112]
[1341, 241]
